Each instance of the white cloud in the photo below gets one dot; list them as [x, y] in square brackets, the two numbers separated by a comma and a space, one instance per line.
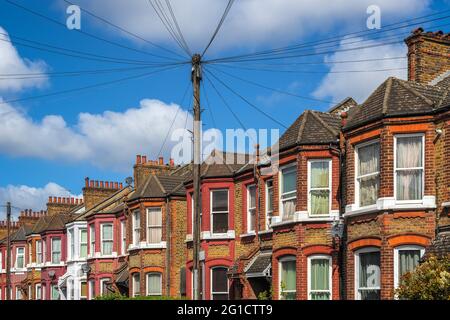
[25, 197]
[338, 86]
[251, 23]
[108, 140]
[12, 63]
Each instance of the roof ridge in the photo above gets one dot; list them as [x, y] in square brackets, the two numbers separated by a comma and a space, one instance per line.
[316, 115]
[302, 125]
[160, 184]
[387, 93]
[444, 96]
[407, 86]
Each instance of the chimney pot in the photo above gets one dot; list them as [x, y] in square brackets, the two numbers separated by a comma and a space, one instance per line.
[116, 185]
[161, 161]
[121, 185]
[55, 199]
[144, 159]
[86, 180]
[172, 162]
[107, 185]
[96, 184]
[59, 199]
[102, 185]
[49, 199]
[138, 159]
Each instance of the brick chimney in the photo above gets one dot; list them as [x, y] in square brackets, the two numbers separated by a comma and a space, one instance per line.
[144, 168]
[4, 228]
[96, 191]
[61, 205]
[30, 217]
[428, 55]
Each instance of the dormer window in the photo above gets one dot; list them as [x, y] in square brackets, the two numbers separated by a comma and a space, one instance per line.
[409, 167]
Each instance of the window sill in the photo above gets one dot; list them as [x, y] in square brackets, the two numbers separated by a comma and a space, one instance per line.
[446, 204]
[76, 260]
[303, 216]
[53, 265]
[389, 203]
[99, 255]
[248, 235]
[145, 245]
[207, 235]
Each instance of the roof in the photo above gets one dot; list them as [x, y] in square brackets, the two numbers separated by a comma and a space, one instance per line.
[160, 185]
[110, 205]
[19, 235]
[57, 222]
[343, 106]
[440, 247]
[121, 275]
[312, 127]
[396, 97]
[259, 266]
[40, 225]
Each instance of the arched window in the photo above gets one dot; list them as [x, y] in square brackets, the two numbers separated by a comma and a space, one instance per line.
[154, 284]
[219, 283]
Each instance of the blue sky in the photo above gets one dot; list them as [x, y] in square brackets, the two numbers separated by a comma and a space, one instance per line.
[48, 145]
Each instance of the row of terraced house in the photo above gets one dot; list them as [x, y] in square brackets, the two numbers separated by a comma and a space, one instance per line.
[359, 194]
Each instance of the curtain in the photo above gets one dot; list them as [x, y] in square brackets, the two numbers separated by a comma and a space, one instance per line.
[56, 250]
[409, 155]
[288, 279]
[368, 163]
[408, 261]
[83, 243]
[288, 209]
[154, 284]
[320, 279]
[369, 275]
[320, 202]
[154, 217]
[136, 285]
[320, 174]
[252, 221]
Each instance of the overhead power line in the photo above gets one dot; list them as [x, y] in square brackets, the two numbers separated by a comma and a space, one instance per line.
[222, 20]
[102, 84]
[125, 30]
[93, 36]
[174, 18]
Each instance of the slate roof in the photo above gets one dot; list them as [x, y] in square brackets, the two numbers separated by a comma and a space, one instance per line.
[57, 222]
[110, 205]
[258, 266]
[40, 225]
[440, 247]
[312, 127]
[396, 97]
[159, 185]
[121, 275]
[19, 235]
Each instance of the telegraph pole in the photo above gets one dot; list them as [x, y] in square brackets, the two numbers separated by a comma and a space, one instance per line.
[8, 251]
[196, 79]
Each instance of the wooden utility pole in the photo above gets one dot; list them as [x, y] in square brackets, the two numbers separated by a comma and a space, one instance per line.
[196, 79]
[8, 251]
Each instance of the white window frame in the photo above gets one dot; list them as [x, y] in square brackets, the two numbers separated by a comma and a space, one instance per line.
[103, 280]
[397, 260]
[136, 291]
[92, 240]
[91, 284]
[72, 244]
[211, 283]
[30, 253]
[1, 262]
[156, 226]
[44, 251]
[81, 243]
[213, 212]
[81, 286]
[44, 293]
[249, 208]
[291, 166]
[30, 296]
[53, 251]
[20, 255]
[19, 295]
[357, 177]
[136, 227]
[330, 275]
[38, 291]
[330, 186]
[356, 268]
[147, 287]
[39, 252]
[102, 240]
[269, 213]
[51, 292]
[409, 135]
[280, 261]
[123, 237]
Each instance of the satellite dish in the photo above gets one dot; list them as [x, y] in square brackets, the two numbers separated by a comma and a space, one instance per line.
[129, 181]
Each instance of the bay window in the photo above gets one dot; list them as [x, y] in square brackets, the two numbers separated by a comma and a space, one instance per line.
[409, 167]
[123, 233]
[136, 284]
[368, 274]
[269, 203]
[92, 240]
[251, 208]
[154, 225]
[91, 289]
[54, 294]
[56, 250]
[38, 292]
[219, 211]
[136, 227]
[288, 192]
[39, 259]
[83, 243]
[107, 239]
[406, 259]
[219, 283]
[319, 279]
[20, 256]
[288, 281]
[72, 244]
[18, 293]
[368, 173]
[154, 284]
[30, 253]
[319, 185]
[83, 290]
[104, 291]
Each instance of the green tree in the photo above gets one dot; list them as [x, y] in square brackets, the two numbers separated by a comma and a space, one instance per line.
[429, 281]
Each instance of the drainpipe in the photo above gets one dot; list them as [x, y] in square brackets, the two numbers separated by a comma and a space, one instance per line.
[168, 243]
